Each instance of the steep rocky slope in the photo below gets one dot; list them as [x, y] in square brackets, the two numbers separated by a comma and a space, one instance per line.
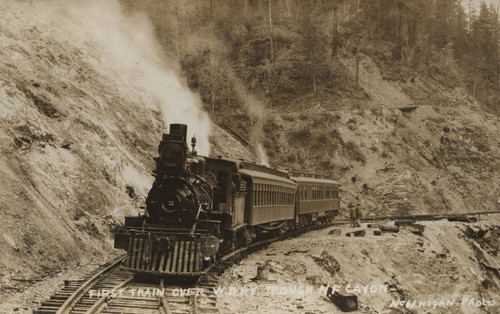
[84, 96]
[416, 146]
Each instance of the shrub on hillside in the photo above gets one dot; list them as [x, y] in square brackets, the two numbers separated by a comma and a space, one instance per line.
[302, 135]
[353, 152]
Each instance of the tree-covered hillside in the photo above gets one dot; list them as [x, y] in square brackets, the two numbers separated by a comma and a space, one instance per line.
[318, 84]
[282, 50]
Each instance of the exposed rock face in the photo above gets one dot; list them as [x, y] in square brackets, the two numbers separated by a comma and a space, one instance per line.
[444, 264]
[335, 232]
[394, 163]
[83, 104]
[327, 262]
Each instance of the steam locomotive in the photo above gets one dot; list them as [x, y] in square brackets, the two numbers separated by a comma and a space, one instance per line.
[200, 208]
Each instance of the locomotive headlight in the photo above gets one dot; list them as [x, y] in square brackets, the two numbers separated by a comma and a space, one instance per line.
[172, 154]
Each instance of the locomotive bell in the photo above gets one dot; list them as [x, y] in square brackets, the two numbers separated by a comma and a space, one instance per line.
[193, 145]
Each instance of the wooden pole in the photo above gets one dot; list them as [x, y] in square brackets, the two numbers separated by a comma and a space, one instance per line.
[335, 32]
[358, 40]
[271, 30]
[177, 46]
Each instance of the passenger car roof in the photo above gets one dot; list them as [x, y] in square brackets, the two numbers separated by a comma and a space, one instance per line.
[314, 180]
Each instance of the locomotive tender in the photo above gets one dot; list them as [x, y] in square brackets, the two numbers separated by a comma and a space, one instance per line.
[200, 208]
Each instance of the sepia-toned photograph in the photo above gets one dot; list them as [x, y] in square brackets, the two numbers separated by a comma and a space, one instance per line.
[249, 156]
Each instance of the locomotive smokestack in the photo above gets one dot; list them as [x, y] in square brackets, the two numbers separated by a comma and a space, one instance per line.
[180, 129]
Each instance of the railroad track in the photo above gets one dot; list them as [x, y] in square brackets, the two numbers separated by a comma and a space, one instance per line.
[469, 217]
[111, 289]
[125, 295]
[75, 295]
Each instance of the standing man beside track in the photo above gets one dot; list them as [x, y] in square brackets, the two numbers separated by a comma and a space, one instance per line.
[358, 216]
[353, 216]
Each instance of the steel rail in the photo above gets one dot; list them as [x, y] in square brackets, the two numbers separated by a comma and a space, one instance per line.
[101, 303]
[193, 303]
[73, 299]
[163, 299]
[418, 217]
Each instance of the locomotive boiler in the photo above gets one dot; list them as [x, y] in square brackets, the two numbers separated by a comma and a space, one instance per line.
[180, 192]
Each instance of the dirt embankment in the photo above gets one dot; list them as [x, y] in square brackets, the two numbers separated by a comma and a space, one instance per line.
[416, 147]
[451, 262]
[84, 97]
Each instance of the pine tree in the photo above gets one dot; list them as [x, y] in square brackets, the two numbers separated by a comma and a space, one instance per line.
[314, 42]
[485, 34]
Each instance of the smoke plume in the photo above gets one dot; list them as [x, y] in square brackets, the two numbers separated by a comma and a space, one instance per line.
[130, 51]
[262, 156]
